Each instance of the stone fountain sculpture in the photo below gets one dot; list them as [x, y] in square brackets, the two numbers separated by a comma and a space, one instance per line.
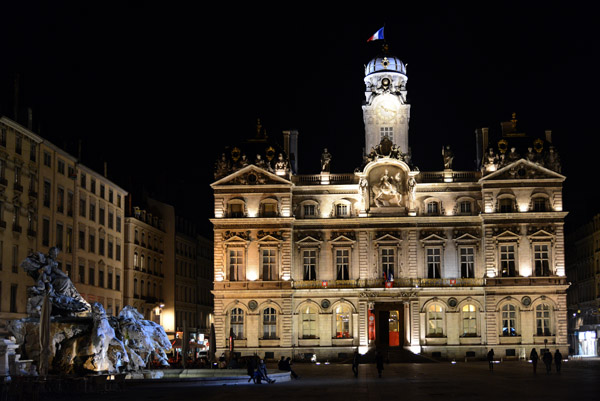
[83, 339]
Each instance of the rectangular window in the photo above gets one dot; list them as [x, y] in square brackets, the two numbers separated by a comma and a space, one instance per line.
[101, 278]
[342, 263]
[388, 261]
[83, 180]
[101, 246]
[465, 207]
[341, 210]
[507, 261]
[236, 264]
[82, 203]
[110, 219]
[82, 239]
[309, 263]
[432, 208]
[269, 264]
[91, 276]
[70, 199]
[386, 132]
[92, 243]
[118, 282]
[60, 200]
[15, 259]
[92, 215]
[46, 194]
[60, 166]
[46, 232]
[118, 253]
[101, 215]
[82, 274]
[541, 256]
[110, 249]
[109, 281]
[434, 262]
[47, 159]
[13, 298]
[309, 210]
[467, 262]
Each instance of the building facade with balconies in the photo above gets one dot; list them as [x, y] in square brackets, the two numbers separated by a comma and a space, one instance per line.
[445, 263]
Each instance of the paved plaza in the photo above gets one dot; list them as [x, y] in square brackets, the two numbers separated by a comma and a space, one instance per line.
[512, 380]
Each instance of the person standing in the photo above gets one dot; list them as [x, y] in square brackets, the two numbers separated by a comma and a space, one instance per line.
[490, 358]
[534, 359]
[547, 358]
[250, 366]
[557, 360]
[355, 363]
[287, 366]
[379, 362]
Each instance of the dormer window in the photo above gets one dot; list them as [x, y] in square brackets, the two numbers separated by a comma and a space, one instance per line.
[433, 208]
[268, 208]
[465, 207]
[236, 209]
[540, 204]
[506, 205]
[341, 210]
[310, 210]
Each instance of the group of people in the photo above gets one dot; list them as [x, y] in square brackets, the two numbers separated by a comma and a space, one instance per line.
[547, 358]
[257, 369]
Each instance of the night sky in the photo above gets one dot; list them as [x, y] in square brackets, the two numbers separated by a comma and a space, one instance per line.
[157, 92]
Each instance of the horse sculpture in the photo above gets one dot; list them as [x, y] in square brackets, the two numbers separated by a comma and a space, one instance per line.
[388, 190]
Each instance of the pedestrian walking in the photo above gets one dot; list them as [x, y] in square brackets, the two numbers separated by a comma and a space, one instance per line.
[547, 359]
[534, 359]
[490, 358]
[250, 367]
[379, 362]
[557, 360]
[355, 363]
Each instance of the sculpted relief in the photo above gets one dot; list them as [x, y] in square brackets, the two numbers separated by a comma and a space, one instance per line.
[388, 186]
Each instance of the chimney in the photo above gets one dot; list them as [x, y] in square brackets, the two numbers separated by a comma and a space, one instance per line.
[16, 99]
[548, 136]
[105, 170]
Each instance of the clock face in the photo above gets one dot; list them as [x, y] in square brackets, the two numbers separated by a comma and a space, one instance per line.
[386, 112]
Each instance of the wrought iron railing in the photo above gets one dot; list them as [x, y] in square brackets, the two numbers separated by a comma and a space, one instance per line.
[401, 282]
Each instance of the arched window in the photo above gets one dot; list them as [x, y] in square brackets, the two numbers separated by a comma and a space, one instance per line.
[309, 322]
[237, 323]
[135, 260]
[542, 320]
[342, 322]
[469, 321]
[269, 323]
[435, 321]
[509, 320]
[135, 284]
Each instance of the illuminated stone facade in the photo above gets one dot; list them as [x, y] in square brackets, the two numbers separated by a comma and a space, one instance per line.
[446, 263]
[48, 198]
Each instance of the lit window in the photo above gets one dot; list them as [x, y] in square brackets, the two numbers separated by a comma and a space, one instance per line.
[236, 264]
[435, 321]
[269, 209]
[342, 322]
[237, 323]
[542, 320]
[467, 262]
[507, 261]
[236, 210]
[540, 204]
[541, 255]
[309, 263]
[309, 322]
[469, 319]
[342, 263]
[269, 264]
[386, 132]
[388, 261]
[509, 320]
[269, 323]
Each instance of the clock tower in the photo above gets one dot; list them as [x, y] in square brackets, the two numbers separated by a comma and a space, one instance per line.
[386, 112]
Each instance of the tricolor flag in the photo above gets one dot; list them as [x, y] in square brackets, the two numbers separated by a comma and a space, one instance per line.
[378, 35]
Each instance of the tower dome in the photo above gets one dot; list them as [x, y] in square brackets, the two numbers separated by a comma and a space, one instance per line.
[385, 62]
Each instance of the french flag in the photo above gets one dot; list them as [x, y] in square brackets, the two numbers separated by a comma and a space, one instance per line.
[378, 35]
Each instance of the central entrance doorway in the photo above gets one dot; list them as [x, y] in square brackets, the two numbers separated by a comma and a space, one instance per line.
[390, 325]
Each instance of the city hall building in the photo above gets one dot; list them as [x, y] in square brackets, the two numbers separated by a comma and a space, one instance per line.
[443, 263]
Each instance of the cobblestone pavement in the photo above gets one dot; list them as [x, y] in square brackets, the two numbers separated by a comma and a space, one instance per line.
[579, 380]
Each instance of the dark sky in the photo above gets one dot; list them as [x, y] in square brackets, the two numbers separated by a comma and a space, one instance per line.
[157, 90]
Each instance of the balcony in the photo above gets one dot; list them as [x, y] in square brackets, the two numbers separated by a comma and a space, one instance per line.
[526, 281]
[398, 283]
[252, 285]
